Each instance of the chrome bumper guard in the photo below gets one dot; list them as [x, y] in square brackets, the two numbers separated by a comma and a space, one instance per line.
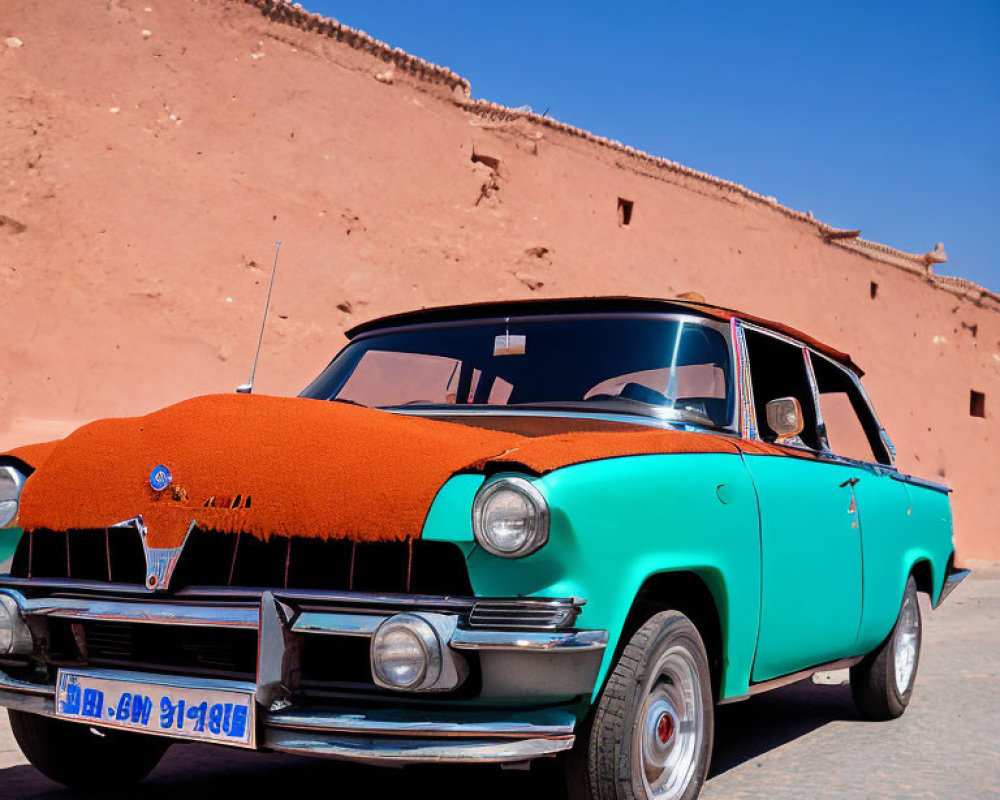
[521, 664]
[951, 581]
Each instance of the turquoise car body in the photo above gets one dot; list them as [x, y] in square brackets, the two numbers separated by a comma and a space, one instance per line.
[795, 585]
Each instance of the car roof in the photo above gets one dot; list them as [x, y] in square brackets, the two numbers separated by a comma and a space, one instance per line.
[590, 305]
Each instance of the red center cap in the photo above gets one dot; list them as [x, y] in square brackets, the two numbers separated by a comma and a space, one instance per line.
[665, 728]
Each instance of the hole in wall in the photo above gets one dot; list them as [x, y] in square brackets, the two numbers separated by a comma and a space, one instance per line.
[489, 161]
[873, 289]
[625, 211]
[977, 404]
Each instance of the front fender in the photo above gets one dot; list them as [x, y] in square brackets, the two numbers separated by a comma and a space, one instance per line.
[616, 523]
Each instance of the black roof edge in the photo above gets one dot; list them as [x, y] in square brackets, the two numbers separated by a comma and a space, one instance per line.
[518, 308]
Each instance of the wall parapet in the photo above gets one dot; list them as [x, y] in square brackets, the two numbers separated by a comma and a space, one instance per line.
[295, 15]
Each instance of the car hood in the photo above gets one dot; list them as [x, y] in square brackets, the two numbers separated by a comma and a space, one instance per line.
[272, 466]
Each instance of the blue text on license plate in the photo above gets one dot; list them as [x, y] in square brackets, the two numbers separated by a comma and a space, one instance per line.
[190, 709]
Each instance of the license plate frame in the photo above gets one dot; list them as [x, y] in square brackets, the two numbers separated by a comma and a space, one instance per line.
[194, 709]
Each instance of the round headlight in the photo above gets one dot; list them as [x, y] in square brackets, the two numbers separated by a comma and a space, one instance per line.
[11, 482]
[406, 653]
[510, 518]
[15, 638]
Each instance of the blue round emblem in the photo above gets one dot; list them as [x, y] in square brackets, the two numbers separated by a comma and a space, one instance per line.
[160, 478]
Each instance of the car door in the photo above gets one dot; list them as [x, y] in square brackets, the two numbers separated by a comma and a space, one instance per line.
[811, 564]
[851, 433]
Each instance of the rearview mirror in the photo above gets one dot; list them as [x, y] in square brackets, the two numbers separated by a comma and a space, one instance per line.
[784, 416]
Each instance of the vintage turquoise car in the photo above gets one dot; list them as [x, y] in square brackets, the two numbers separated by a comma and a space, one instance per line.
[488, 533]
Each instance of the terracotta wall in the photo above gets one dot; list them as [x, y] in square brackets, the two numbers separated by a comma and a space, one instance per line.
[151, 158]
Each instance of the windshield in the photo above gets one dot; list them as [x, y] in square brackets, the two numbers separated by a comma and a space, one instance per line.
[671, 368]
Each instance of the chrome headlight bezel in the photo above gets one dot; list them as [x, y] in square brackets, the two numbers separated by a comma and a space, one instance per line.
[427, 642]
[15, 637]
[538, 534]
[18, 478]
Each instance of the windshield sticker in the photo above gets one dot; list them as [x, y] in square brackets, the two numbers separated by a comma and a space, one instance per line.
[507, 345]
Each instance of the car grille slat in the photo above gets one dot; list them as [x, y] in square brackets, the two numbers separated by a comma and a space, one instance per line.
[116, 555]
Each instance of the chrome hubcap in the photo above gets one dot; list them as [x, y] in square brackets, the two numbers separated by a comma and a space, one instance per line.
[905, 644]
[671, 728]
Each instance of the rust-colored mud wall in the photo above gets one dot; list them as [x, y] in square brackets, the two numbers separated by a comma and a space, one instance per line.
[152, 152]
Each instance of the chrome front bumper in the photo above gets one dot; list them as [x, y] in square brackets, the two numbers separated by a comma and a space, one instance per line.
[517, 666]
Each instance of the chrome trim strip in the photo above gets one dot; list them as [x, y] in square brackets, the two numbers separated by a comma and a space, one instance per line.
[951, 581]
[30, 703]
[794, 677]
[10, 684]
[403, 723]
[428, 602]
[338, 624]
[140, 612]
[226, 593]
[396, 751]
[320, 622]
[522, 641]
[66, 583]
[744, 381]
[922, 482]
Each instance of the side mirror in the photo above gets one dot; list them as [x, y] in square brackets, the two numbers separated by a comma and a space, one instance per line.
[784, 416]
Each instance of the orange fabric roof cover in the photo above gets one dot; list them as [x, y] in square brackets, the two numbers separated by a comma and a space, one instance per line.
[298, 467]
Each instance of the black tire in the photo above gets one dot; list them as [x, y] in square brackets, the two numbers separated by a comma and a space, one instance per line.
[607, 762]
[74, 755]
[874, 683]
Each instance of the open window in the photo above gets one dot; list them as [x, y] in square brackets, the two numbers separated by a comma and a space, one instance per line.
[849, 427]
[777, 371]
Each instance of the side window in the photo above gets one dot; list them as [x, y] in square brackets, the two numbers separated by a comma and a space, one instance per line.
[778, 369]
[851, 430]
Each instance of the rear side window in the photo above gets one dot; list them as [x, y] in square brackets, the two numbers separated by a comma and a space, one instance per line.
[778, 369]
[851, 429]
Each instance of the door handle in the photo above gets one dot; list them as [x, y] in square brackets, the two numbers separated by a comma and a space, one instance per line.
[852, 482]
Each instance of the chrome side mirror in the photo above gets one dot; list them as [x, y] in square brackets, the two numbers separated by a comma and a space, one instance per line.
[784, 416]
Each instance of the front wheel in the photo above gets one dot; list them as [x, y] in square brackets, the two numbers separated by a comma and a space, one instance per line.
[651, 734]
[882, 684]
[82, 757]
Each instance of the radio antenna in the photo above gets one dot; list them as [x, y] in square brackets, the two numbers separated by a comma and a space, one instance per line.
[247, 388]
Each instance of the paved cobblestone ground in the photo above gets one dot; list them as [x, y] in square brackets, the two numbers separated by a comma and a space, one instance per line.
[803, 741]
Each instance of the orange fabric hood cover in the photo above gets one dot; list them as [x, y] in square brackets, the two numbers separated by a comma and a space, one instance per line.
[288, 467]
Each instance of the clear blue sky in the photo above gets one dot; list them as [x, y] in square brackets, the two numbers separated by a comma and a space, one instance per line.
[881, 115]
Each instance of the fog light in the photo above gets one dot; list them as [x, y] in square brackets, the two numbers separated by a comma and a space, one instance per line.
[406, 653]
[15, 638]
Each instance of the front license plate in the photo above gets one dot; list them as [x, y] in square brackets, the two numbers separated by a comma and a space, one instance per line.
[178, 707]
